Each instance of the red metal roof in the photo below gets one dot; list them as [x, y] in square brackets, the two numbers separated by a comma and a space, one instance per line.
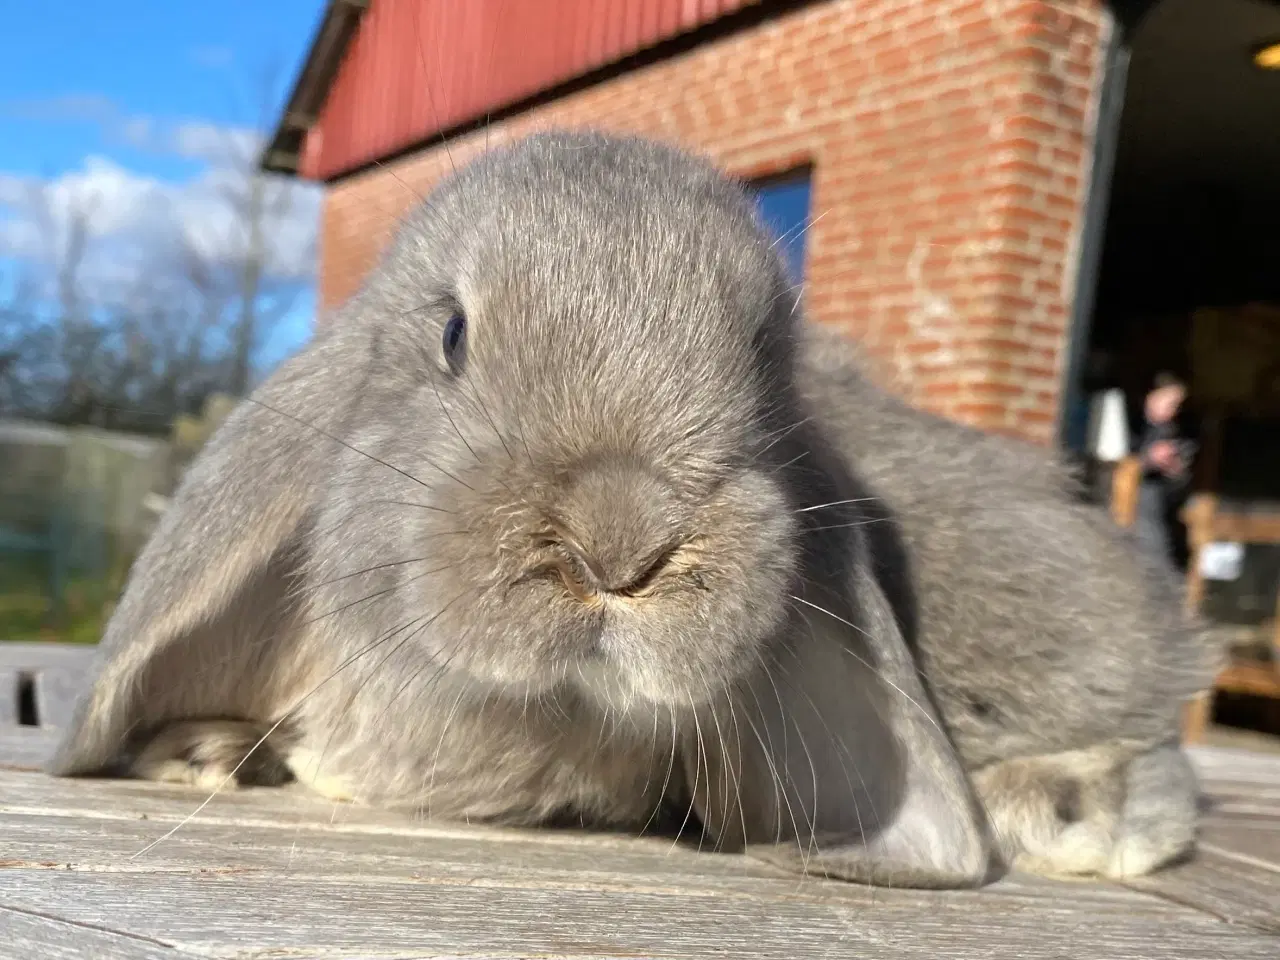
[415, 68]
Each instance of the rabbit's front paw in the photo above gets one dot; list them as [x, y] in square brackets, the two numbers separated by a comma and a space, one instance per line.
[306, 768]
[210, 755]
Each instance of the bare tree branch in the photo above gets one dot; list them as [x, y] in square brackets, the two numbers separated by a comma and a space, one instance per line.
[194, 320]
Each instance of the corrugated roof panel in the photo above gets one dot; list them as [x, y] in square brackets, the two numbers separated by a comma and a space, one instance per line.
[418, 67]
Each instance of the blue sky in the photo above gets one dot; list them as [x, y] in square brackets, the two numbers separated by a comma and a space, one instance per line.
[125, 97]
[129, 103]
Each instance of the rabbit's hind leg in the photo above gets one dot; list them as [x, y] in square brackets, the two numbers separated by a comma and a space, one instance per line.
[1100, 812]
[1161, 810]
[211, 755]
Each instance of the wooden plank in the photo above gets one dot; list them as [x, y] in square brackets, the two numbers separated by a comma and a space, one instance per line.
[57, 689]
[9, 682]
[25, 936]
[1254, 839]
[150, 810]
[1235, 780]
[26, 748]
[58, 672]
[82, 844]
[37, 656]
[342, 879]
[1235, 874]
[100, 825]
[270, 873]
[1126, 481]
[26, 792]
[1226, 886]
[1217, 765]
[1225, 799]
[1252, 677]
[220, 914]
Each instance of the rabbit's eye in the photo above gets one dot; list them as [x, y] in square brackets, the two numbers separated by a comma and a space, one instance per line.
[455, 342]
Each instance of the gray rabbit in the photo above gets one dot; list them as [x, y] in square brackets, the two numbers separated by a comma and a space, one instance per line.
[568, 515]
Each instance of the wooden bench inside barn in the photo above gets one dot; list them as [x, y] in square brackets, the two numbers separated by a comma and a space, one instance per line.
[260, 874]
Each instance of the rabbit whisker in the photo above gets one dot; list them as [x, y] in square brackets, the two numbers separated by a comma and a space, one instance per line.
[411, 503]
[440, 667]
[836, 503]
[261, 740]
[473, 398]
[780, 435]
[841, 747]
[803, 227]
[792, 462]
[732, 776]
[372, 596]
[386, 167]
[380, 566]
[342, 521]
[339, 440]
[448, 416]
[444, 730]
[852, 523]
[778, 784]
[604, 717]
[870, 666]
[423, 623]
[653, 745]
[737, 783]
[785, 774]
[422, 61]
[697, 773]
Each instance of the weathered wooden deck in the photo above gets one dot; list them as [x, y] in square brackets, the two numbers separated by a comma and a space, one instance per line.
[275, 873]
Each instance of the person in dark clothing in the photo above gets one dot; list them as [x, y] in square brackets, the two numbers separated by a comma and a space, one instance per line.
[1167, 450]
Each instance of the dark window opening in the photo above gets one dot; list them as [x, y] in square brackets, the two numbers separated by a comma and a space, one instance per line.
[28, 716]
[783, 202]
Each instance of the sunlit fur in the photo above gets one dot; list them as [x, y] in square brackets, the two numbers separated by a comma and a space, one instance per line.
[622, 554]
[625, 373]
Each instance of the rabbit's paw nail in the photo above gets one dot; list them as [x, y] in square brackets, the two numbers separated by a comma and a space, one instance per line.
[190, 773]
[1081, 850]
[1137, 855]
[305, 766]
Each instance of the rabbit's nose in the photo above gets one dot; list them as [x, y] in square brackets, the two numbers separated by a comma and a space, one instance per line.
[620, 577]
[616, 524]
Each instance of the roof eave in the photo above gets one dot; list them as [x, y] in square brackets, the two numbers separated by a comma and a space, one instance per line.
[283, 151]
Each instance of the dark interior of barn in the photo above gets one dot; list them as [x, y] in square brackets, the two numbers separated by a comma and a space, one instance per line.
[1188, 280]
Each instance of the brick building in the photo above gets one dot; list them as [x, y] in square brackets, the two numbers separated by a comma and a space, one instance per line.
[954, 161]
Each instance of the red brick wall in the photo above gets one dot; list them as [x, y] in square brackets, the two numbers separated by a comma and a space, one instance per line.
[951, 142]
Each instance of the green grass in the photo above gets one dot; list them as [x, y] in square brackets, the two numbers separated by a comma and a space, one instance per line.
[27, 611]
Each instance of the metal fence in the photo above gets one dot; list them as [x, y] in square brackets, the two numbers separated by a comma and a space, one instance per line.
[74, 510]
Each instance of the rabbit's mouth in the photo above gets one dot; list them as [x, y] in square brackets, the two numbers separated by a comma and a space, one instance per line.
[673, 565]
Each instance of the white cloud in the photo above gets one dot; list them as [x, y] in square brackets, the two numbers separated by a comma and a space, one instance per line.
[136, 226]
[216, 144]
[192, 139]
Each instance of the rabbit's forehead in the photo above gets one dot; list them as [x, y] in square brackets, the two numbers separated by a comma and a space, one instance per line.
[630, 226]
[589, 267]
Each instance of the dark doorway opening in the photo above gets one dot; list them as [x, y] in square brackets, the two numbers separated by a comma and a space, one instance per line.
[1184, 282]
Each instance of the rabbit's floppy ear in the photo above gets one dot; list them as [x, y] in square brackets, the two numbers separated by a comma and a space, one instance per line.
[831, 761]
[209, 582]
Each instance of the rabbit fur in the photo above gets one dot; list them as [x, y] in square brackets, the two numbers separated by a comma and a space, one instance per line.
[641, 541]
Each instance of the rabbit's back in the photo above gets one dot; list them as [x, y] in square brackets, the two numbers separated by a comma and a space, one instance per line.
[1040, 625]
